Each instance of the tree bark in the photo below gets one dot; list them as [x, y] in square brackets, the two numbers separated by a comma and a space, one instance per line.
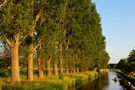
[40, 67]
[15, 70]
[49, 67]
[55, 69]
[70, 70]
[0, 84]
[77, 69]
[74, 70]
[30, 57]
[40, 63]
[55, 61]
[66, 68]
[30, 63]
[61, 60]
[67, 71]
[82, 69]
[31, 47]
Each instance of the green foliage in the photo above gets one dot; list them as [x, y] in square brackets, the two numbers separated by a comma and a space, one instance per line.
[74, 24]
[121, 64]
[127, 65]
[4, 73]
[15, 17]
[4, 63]
[131, 57]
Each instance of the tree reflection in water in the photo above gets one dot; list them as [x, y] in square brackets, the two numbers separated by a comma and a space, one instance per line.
[97, 84]
[107, 81]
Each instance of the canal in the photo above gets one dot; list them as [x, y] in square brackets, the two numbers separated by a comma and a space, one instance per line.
[108, 81]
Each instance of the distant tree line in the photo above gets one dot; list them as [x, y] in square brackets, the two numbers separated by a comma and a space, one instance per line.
[56, 36]
[127, 65]
[112, 65]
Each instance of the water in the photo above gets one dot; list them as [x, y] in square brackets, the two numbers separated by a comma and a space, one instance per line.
[108, 81]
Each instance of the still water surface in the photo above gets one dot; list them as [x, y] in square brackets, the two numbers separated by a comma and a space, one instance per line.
[108, 81]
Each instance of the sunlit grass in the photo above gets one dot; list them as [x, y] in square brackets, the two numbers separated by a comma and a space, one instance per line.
[50, 83]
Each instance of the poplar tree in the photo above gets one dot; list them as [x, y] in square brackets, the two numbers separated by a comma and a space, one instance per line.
[14, 22]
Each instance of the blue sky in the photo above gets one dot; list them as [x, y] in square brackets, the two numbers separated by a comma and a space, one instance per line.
[118, 24]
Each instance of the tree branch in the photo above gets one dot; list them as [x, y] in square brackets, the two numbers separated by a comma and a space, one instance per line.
[36, 47]
[24, 37]
[64, 13]
[5, 1]
[39, 43]
[10, 43]
[34, 22]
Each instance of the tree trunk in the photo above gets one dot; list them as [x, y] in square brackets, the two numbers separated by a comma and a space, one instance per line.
[49, 67]
[40, 67]
[31, 47]
[66, 68]
[77, 69]
[30, 57]
[70, 70]
[0, 84]
[82, 70]
[74, 70]
[40, 63]
[55, 69]
[15, 70]
[61, 59]
[55, 61]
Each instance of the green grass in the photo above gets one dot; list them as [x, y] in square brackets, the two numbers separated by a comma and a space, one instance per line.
[38, 85]
[130, 75]
[53, 83]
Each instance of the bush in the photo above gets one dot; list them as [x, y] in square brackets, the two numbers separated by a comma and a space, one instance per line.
[4, 73]
[23, 71]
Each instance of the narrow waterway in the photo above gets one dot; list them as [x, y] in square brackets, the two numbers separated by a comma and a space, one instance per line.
[108, 81]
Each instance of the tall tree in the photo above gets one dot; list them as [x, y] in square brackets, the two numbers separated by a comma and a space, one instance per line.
[14, 22]
[36, 11]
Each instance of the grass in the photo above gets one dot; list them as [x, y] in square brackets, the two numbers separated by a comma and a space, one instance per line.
[48, 84]
[53, 83]
[130, 75]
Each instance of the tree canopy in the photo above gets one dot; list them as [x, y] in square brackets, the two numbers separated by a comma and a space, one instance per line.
[128, 64]
[55, 33]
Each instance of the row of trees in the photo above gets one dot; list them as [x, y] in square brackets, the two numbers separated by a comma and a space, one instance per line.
[127, 65]
[56, 34]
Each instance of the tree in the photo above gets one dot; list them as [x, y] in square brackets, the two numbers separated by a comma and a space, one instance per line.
[127, 65]
[36, 13]
[131, 57]
[59, 32]
[121, 64]
[14, 22]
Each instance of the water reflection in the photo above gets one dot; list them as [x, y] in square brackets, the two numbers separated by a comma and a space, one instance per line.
[114, 83]
[107, 81]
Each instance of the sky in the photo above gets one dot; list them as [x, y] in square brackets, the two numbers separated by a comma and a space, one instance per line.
[118, 25]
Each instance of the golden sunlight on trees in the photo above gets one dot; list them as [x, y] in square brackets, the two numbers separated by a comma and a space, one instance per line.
[51, 37]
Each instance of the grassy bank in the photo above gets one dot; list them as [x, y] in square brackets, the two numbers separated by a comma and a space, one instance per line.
[128, 76]
[53, 83]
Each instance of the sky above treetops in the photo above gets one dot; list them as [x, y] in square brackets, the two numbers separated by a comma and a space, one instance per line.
[118, 24]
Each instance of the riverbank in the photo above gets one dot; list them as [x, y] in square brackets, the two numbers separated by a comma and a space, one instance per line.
[130, 78]
[64, 82]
